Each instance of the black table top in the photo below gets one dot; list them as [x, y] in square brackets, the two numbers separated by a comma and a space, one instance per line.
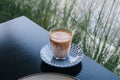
[20, 44]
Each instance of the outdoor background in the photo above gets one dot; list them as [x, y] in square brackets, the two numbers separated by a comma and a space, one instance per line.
[96, 23]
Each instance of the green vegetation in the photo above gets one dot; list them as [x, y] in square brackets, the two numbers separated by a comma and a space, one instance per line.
[95, 27]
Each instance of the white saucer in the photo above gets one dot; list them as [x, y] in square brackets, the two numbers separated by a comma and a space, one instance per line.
[75, 56]
[48, 76]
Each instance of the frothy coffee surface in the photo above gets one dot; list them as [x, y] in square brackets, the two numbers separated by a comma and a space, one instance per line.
[61, 35]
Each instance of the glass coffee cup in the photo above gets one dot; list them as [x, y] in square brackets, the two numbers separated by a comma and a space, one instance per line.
[60, 40]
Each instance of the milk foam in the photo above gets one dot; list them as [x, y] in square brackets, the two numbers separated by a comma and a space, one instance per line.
[61, 36]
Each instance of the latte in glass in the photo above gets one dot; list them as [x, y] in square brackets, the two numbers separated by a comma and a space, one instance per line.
[60, 42]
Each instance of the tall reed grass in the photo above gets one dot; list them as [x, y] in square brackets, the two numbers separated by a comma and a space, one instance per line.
[96, 23]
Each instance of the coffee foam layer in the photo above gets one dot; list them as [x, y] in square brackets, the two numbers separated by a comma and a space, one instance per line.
[61, 35]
